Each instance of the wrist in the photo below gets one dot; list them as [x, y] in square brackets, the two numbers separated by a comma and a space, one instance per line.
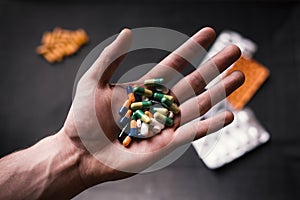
[60, 160]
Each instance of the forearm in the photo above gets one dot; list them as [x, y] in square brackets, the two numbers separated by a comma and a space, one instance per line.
[43, 171]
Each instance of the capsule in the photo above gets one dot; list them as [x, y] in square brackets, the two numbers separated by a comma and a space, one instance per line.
[142, 91]
[156, 126]
[154, 102]
[163, 111]
[154, 82]
[126, 141]
[141, 115]
[122, 135]
[158, 96]
[174, 108]
[125, 119]
[132, 133]
[144, 129]
[149, 114]
[130, 94]
[166, 102]
[137, 97]
[133, 128]
[140, 105]
[162, 89]
[163, 119]
[124, 108]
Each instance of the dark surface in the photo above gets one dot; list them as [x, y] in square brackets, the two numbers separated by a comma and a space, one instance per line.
[36, 95]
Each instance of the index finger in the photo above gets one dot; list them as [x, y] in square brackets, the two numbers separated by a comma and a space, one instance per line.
[178, 60]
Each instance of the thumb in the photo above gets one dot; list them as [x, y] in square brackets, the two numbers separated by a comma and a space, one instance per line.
[110, 58]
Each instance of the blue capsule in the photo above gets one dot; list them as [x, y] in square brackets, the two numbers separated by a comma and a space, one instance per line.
[125, 119]
[124, 108]
[130, 94]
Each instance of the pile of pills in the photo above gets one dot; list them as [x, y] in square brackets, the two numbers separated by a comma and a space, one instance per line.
[60, 43]
[147, 111]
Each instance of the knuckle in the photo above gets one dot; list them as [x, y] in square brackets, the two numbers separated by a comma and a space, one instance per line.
[196, 81]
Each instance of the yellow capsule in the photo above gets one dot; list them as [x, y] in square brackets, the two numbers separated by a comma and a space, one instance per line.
[163, 119]
[174, 108]
[140, 105]
[154, 82]
[171, 98]
[141, 115]
[163, 111]
[146, 119]
[142, 91]
[158, 96]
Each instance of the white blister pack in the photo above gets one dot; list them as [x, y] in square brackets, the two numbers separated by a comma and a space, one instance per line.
[245, 133]
[242, 135]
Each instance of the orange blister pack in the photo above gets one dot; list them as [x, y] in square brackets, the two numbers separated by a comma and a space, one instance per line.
[255, 75]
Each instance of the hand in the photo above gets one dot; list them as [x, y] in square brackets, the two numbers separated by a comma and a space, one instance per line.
[91, 126]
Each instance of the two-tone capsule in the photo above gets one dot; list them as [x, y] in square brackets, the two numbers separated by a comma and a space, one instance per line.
[139, 114]
[163, 119]
[140, 105]
[132, 133]
[154, 82]
[130, 94]
[174, 108]
[161, 110]
[158, 96]
[122, 135]
[142, 91]
[162, 89]
[133, 128]
[166, 102]
[124, 108]
[125, 119]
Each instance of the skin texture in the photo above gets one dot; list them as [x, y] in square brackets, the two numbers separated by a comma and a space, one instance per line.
[62, 165]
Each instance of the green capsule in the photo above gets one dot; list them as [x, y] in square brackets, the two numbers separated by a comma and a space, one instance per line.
[163, 119]
[140, 105]
[141, 115]
[166, 102]
[142, 91]
[154, 82]
[158, 96]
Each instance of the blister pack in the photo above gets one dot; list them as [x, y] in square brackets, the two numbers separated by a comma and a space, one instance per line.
[245, 133]
[242, 135]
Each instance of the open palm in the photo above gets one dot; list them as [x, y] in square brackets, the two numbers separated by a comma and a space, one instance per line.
[91, 123]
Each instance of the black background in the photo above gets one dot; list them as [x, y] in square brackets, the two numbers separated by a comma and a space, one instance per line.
[35, 95]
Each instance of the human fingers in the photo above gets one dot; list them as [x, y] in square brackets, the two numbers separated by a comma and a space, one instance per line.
[195, 82]
[197, 129]
[109, 59]
[178, 60]
[199, 105]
